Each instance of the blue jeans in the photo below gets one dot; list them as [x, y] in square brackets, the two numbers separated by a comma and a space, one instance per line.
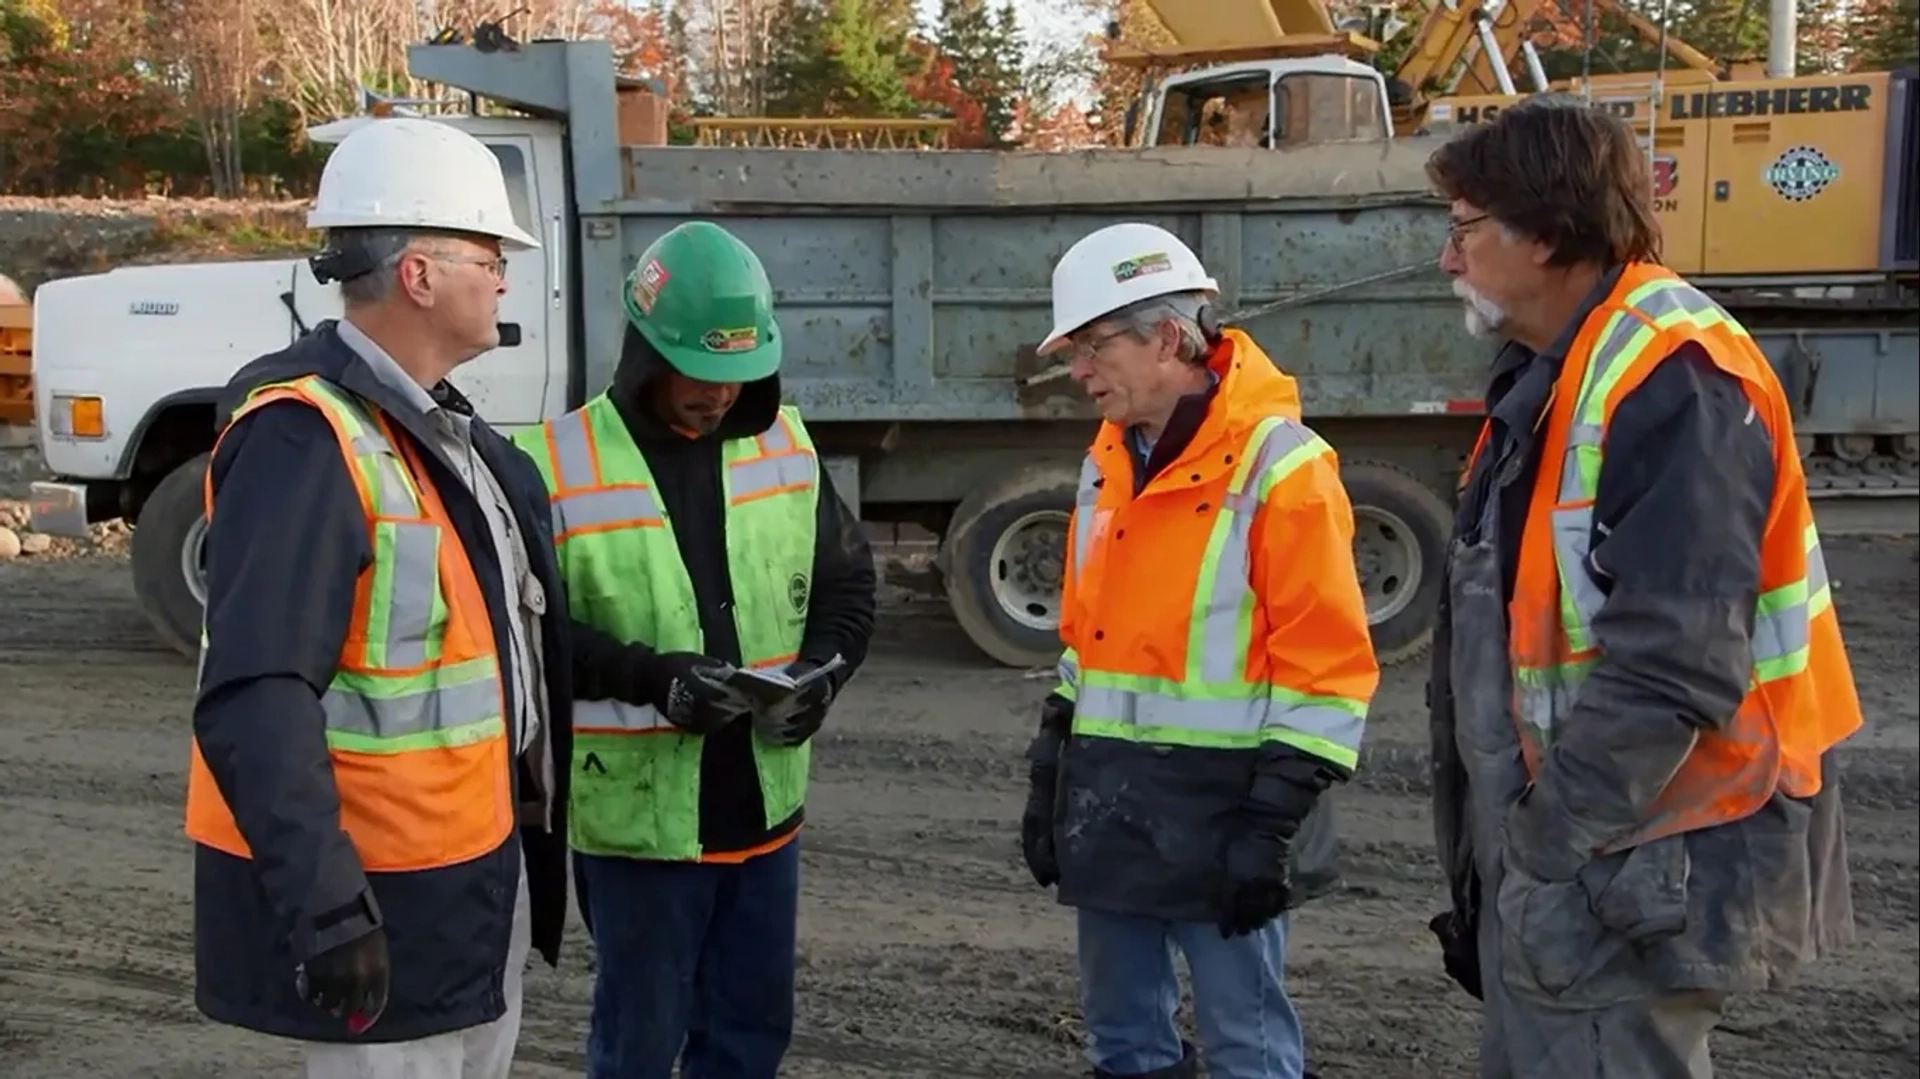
[692, 962]
[1129, 994]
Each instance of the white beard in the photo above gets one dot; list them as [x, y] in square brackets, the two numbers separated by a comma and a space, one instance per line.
[1483, 317]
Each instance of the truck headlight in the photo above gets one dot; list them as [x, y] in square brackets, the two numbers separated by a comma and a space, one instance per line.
[74, 416]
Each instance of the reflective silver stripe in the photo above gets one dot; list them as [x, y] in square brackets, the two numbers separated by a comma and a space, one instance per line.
[412, 550]
[777, 439]
[1233, 721]
[1069, 670]
[1218, 632]
[1103, 703]
[634, 507]
[757, 477]
[573, 451]
[438, 708]
[618, 716]
[1085, 497]
[579, 504]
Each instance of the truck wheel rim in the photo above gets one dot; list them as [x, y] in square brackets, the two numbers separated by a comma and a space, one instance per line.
[1026, 567]
[192, 567]
[1388, 558]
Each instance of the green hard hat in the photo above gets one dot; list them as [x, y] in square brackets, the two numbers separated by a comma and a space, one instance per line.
[701, 298]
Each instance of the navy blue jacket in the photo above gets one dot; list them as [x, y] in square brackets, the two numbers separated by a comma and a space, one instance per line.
[286, 544]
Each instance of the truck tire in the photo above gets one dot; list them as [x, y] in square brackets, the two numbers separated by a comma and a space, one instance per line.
[1401, 528]
[1004, 556]
[167, 576]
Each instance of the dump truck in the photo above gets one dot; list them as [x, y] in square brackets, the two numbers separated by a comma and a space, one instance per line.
[912, 287]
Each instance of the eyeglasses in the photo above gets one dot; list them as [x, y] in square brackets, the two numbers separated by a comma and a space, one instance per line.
[1457, 232]
[1087, 350]
[497, 265]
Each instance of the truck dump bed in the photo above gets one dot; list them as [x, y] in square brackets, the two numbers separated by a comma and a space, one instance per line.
[914, 285]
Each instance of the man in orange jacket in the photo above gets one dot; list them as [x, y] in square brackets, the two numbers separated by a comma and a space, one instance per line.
[1216, 676]
[1637, 674]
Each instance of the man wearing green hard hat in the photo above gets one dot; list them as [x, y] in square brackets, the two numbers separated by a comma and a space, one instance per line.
[707, 559]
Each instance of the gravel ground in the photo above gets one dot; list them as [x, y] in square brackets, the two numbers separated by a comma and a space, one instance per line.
[925, 951]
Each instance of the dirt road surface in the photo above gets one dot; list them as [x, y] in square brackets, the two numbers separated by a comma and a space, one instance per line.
[925, 950]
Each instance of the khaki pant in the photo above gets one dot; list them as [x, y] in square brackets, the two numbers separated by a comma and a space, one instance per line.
[482, 1052]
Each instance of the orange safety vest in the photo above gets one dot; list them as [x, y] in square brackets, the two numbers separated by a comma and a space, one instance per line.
[1173, 635]
[416, 712]
[1802, 700]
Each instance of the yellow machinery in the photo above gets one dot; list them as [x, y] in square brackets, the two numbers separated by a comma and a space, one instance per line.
[1803, 176]
[1809, 178]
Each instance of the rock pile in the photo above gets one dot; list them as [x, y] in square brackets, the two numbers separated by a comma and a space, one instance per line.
[108, 538]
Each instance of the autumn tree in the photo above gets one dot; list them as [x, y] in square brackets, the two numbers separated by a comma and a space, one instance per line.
[1886, 34]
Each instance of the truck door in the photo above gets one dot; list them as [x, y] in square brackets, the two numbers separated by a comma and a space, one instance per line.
[509, 386]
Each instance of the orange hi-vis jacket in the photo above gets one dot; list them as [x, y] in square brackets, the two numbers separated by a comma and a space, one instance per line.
[416, 714]
[1802, 699]
[1213, 613]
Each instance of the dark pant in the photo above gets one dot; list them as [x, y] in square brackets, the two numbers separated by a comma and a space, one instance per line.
[691, 961]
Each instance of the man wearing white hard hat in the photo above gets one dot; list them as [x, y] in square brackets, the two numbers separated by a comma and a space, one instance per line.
[1216, 675]
[384, 676]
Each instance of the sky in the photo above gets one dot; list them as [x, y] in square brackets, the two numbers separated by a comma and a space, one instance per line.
[1047, 24]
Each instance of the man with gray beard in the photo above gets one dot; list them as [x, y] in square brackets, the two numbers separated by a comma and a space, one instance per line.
[1637, 673]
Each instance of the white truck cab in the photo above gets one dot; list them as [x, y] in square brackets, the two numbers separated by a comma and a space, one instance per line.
[128, 365]
[1270, 104]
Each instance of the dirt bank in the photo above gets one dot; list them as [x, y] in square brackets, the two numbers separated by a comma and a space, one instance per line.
[926, 952]
[41, 239]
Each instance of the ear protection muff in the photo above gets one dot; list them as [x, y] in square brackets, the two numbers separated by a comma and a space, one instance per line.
[1211, 326]
[334, 264]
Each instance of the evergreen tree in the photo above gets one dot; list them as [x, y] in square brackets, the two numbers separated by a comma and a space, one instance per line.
[843, 58]
[983, 46]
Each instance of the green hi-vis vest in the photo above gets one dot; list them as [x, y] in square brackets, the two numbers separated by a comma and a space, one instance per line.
[636, 777]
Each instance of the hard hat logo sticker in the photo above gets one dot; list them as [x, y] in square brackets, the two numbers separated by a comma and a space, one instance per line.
[1141, 266]
[744, 339]
[647, 284]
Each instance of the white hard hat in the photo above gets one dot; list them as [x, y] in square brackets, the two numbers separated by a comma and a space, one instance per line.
[1116, 267]
[406, 172]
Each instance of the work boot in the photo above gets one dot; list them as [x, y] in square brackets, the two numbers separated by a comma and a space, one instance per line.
[1187, 1068]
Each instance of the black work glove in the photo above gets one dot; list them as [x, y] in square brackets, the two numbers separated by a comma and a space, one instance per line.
[349, 980]
[1036, 826]
[1259, 883]
[799, 719]
[1043, 778]
[691, 702]
[1459, 949]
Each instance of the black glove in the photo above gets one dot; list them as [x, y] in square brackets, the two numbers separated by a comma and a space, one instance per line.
[1043, 778]
[349, 980]
[1036, 826]
[799, 719]
[691, 702]
[1459, 949]
[1259, 884]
